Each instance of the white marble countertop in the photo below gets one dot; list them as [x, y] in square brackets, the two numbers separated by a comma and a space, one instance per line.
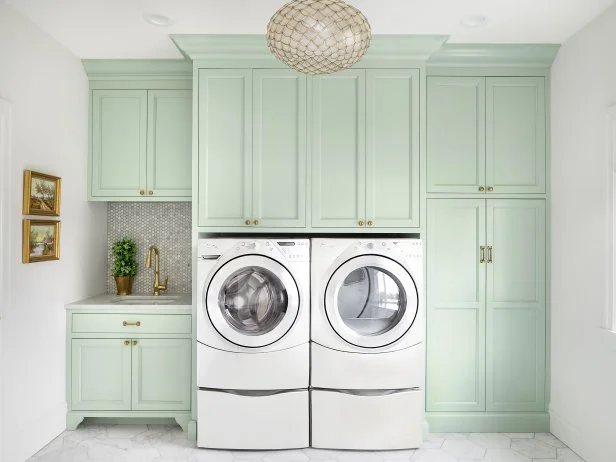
[133, 302]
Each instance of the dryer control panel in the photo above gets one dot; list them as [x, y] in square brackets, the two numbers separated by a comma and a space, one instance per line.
[294, 249]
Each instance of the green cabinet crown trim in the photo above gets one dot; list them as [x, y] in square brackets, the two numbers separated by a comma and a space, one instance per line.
[138, 69]
[494, 55]
[204, 49]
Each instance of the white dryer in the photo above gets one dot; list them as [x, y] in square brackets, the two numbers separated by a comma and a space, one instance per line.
[367, 350]
[253, 343]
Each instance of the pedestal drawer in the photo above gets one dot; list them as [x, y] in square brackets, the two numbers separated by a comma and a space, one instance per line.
[132, 323]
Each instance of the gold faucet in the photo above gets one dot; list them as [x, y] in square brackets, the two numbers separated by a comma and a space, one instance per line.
[148, 263]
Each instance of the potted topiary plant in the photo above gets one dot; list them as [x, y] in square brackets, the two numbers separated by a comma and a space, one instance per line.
[124, 265]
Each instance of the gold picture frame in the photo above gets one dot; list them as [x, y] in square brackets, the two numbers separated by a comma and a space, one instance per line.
[41, 194]
[41, 240]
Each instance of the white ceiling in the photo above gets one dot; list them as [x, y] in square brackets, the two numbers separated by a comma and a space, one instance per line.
[116, 29]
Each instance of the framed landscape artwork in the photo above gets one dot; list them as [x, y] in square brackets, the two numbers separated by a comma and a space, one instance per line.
[41, 240]
[41, 194]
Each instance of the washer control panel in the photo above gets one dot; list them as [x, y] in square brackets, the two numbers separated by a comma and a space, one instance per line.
[294, 249]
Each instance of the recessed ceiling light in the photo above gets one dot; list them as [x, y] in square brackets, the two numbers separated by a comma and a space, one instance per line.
[473, 20]
[157, 20]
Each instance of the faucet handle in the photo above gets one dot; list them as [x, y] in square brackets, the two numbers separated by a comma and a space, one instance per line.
[163, 286]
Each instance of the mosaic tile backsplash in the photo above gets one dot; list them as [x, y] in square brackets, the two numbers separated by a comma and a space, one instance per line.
[167, 225]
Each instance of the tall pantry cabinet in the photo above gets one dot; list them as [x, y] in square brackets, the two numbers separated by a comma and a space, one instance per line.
[486, 243]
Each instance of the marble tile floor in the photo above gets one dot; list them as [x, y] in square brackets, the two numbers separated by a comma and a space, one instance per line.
[166, 443]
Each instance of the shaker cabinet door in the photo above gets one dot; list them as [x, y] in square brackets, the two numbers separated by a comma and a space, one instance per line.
[456, 152]
[119, 127]
[515, 134]
[339, 150]
[225, 147]
[279, 148]
[392, 148]
[100, 374]
[169, 164]
[456, 305]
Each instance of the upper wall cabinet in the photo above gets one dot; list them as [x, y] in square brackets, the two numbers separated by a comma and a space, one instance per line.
[365, 149]
[252, 148]
[141, 145]
[486, 135]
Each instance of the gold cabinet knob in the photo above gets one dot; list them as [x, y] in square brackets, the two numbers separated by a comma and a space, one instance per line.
[126, 342]
[370, 223]
[360, 222]
[490, 188]
[247, 222]
[135, 342]
[150, 193]
[141, 192]
[481, 189]
[256, 222]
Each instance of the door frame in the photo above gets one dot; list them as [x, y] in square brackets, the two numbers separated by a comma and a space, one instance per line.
[6, 168]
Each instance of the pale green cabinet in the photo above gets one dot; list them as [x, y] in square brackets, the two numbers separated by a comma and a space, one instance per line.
[486, 135]
[365, 149]
[252, 148]
[141, 145]
[128, 364]
[486, 273]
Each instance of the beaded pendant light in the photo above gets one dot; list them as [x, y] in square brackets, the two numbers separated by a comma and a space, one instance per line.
[318, 36]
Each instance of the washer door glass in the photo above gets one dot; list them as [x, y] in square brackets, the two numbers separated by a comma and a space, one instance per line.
[371, 301]
[252, 300]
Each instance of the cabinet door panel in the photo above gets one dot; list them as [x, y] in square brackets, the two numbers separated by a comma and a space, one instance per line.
[101, 375]
[161, 374]
[456, 305]
[515, 134]
[456, 151]
[279, 148]
[119, 124]
[338, 150]
[225, 147]
[515, 344]
[169, 143]
[392, 148]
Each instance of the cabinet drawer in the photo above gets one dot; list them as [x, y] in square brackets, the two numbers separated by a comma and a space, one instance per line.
[132, 323]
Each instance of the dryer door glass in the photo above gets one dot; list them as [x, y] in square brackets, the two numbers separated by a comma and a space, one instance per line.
[253, 300]
[371, 300]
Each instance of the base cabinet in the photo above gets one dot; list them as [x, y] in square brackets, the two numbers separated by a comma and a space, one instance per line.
[130, 375]
[486, 302]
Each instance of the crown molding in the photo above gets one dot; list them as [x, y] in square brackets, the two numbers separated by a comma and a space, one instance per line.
[138, 69]
[253, 48]
[494, 55]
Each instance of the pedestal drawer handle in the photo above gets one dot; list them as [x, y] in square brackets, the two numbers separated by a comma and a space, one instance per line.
[126, 323]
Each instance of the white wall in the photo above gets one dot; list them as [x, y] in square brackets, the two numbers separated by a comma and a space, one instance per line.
[583, 392]
[49, 93]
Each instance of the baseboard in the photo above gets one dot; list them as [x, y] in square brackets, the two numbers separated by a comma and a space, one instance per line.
[488, 422]
[585, 443]
[39, 431]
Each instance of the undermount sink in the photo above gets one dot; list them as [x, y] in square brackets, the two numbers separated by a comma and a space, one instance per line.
[146, 299]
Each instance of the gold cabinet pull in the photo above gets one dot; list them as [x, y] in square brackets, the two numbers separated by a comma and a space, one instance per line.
[360, 222]
[126, 323]
[490, 188]
[142, 192]
[482, 254]
[256, 222]
[151, 193]
[247, 222]
[135, 342]
[370, 223]
[126, 342]
[490, 254]
[481, 189]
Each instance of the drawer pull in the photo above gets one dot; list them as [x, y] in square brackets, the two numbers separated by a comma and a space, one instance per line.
[370, 223]
[360, 222]
[126, 342]
[482, 189]
[247, 222]
[135, 342]
[126, 323]
[142, 192]
[490, 188]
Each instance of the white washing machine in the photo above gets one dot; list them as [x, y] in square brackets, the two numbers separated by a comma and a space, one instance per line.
[367, 350]
[253, 324]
